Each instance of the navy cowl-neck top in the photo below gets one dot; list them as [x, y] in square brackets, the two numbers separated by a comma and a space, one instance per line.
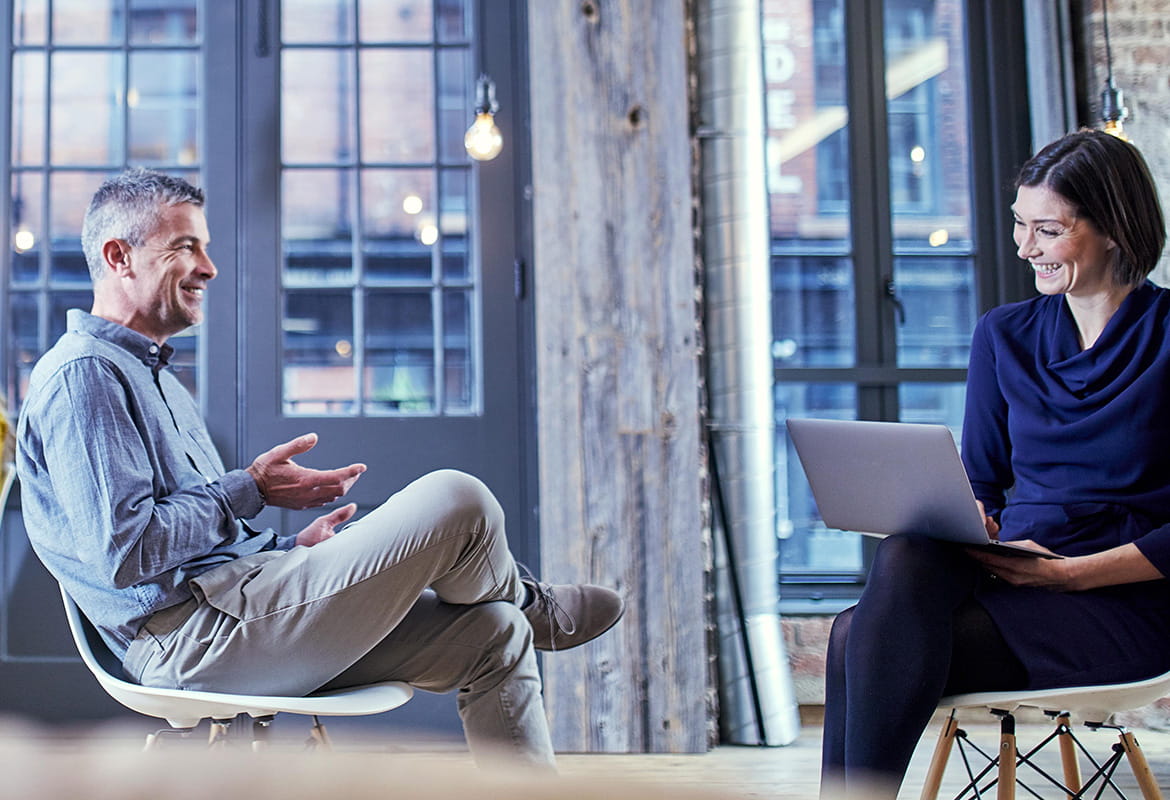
[1071, 447]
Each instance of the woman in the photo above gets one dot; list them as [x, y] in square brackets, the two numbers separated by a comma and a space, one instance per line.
[1066, 440]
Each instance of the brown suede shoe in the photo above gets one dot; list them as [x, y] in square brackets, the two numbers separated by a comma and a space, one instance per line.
[568, 615]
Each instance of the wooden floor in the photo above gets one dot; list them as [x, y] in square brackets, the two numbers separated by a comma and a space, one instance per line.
[107, 763]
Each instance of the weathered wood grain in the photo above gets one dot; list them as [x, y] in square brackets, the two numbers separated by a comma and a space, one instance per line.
[617, 367]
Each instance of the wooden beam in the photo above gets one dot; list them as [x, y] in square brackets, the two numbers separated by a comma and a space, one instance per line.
[621, 486]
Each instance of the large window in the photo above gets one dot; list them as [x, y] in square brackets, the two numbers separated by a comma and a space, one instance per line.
[877, 256]
[95, 86]
[379, 288]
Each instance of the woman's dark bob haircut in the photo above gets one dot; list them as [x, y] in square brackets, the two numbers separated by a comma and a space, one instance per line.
[1106, 181]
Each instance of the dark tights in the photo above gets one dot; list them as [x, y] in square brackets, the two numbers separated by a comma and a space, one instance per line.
[916, 634]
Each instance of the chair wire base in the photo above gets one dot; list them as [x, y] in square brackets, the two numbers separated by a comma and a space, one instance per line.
[999, 771]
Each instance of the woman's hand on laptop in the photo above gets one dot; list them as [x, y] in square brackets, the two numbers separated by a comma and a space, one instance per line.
[991, 525]
[1042, 572]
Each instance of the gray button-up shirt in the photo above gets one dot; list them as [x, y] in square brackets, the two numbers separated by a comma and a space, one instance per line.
[123, 494]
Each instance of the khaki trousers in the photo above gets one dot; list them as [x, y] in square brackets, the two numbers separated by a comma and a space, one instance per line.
[423, 589]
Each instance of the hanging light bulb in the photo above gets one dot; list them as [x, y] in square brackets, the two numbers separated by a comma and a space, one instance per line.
[23, 240]
[1113, 110]
[483, 139]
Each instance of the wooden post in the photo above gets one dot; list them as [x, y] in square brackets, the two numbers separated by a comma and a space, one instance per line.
[621, 458]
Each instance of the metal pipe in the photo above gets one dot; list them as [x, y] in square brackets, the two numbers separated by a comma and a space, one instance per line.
[738, 328]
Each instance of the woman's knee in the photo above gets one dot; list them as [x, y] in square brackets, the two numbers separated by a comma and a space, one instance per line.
[838, 636]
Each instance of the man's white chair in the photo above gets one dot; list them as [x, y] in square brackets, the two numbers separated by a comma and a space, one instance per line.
[1094, 705]
[184, 710]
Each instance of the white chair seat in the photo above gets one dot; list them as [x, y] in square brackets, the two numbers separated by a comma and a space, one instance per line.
[185, 709]
[1091, 703]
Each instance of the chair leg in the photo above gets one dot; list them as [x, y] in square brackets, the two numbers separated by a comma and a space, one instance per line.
[260, 733]
[1140, 767]
[1068, 755]
[154, 740]
[938, 762]
[1006, 787]
[217, 736]
[318, 736]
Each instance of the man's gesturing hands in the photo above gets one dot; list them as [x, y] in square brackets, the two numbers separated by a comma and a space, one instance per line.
[286, 484]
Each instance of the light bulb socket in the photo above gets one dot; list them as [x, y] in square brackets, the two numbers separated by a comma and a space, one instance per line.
[1113, 103]
[485, 96]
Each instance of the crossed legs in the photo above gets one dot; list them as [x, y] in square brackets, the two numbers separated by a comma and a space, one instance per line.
[423, 589]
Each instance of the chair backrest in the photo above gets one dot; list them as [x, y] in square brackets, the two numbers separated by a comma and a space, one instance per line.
[90, 645]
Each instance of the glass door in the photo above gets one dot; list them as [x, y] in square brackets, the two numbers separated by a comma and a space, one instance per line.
[873, 245]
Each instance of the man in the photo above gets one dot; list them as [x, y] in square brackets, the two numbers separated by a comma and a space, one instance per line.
[129, 506]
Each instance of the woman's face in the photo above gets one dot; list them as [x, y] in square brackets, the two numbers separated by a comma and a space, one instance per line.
[1068, 255]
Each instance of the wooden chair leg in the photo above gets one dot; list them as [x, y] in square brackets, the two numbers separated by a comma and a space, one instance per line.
[1140, 767]
[1068, 755]
[938, 762]
[1006, 787]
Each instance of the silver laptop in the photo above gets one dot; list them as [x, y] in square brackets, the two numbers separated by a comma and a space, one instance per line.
[882, 478]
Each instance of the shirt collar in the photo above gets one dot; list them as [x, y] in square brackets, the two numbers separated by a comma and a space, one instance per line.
[147, 351]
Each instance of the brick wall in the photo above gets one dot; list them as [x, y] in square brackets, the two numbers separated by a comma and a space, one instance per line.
[1139, 35]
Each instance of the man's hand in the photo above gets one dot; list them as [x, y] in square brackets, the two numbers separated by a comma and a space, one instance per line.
[286, 484]
[322, 528]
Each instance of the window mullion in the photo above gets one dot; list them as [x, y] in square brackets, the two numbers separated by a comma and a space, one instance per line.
[872, 243]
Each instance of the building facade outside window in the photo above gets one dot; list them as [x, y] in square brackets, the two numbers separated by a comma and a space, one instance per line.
[878, 260]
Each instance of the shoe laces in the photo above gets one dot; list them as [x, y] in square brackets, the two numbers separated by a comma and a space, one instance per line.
[543, 594]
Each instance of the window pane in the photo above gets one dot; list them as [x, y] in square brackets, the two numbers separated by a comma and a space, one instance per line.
[398, 214]
[87, 22]
[455, 110]
[926, 81]
[316, 20]
[69, 195]
[29, 22]
[172, 22]
[317, 111]
[316, 227]
[395, 21]
[25, 346]
[808, 161]
[400, 353]
[934, 403]
[458, 362]
[185, 360]
[28, 227]
[163, 107]
[812, 312]
[397, 106]
[453, 19]
[938, 298]
[28, 108]
[456, 203]
[86, 108]
[318, 353]
[806, 545]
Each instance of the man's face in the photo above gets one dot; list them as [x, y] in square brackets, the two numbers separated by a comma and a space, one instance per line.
[169, 272]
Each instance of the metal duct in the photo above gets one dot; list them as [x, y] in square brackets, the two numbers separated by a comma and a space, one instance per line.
[757, 697]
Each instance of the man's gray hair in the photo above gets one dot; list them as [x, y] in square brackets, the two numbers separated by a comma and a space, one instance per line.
[127, 207]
